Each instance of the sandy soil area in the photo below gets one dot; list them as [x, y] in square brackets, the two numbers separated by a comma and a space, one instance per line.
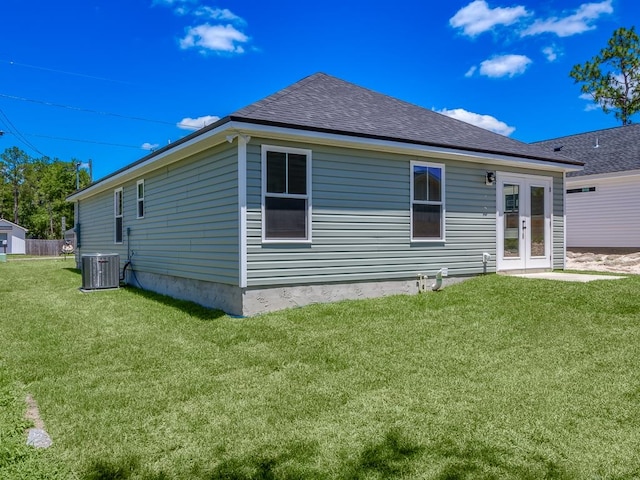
[604, 262]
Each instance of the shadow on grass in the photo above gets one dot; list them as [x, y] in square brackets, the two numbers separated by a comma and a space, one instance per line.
[477, 460]
[389, 458]
[394, 456]
[191, 308]
[124, 469]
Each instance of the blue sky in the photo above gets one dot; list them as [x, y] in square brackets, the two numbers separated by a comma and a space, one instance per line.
[108, 80]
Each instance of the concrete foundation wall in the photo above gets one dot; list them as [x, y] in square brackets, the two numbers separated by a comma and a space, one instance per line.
[262, 300]
[227, 298]
[233, 300]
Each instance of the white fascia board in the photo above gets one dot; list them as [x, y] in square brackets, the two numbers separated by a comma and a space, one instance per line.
[334, 139]
[624, 174]
[196, 144]
[217, 135]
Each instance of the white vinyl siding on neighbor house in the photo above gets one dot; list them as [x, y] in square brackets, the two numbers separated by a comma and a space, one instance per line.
[605, 217]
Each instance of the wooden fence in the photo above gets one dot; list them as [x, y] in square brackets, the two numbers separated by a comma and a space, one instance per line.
[45, 248]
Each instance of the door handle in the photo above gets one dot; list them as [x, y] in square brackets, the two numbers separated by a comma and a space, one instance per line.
[524, 227]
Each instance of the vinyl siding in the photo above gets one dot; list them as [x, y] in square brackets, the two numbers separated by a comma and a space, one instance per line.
[558, 233]
[190, 225]
[361, 221]
[604, 218]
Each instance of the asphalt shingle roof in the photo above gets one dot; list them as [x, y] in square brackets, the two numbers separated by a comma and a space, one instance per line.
[602, 151]
[324, 103]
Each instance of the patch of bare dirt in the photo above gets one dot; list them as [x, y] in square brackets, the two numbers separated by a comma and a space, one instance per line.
[604, 262]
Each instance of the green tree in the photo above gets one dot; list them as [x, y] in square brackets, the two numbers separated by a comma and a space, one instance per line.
[13, 164]
[48, 183]
[612, 77]
[37, 190]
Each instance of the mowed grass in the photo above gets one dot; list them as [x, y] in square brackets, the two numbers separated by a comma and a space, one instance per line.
[493, 378]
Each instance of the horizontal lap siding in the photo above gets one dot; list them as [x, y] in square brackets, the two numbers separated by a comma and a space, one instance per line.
[361, 222]
[606, 217]
[97, 225]
[559, 252]
[190, 226]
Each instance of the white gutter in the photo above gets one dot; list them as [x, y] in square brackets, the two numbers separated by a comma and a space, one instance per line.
[400, 147]
[218, 135]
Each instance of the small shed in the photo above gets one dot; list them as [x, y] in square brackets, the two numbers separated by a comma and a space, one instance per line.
[12, 237]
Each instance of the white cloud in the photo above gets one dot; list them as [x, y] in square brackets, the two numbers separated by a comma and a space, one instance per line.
[197, 123]
[222, 14]
[579, 22]
[483, 121]
[592, 105]
[222, 32]
[171, 3]
[471, 71]
[149, 146]
[477, 17]
[550, 53]
[504, 65]
[217, 38]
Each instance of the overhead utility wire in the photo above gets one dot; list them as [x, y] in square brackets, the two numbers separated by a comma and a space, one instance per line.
[12, 63]
[19, 135]
[80, 109]
[95, 142]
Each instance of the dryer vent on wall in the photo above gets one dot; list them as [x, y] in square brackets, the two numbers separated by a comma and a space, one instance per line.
[100, 270]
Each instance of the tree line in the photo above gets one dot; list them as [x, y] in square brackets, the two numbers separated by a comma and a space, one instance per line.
[33, 192]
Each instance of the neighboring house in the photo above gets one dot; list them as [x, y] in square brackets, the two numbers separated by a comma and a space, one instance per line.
[324, 191]
[602, 200]
[14, 236]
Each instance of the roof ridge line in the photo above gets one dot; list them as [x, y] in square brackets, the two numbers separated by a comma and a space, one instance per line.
[281, 93]
[584, 133]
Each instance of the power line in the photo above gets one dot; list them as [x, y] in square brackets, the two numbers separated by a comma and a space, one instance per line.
[86, 110]
[95, 142]
[35, 67]
[17, 133]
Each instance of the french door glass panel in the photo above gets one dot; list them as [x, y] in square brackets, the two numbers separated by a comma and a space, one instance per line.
[524, 223]
[537, 240]
[511, 194]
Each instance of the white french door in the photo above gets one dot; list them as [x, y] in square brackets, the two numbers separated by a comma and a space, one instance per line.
[523, 221]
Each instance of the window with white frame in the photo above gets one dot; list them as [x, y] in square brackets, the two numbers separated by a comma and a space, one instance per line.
[140, 198]
[286, 194]
[427, 201]
[118, 210]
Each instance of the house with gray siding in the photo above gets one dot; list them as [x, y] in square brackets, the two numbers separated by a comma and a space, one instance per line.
[12, 237]
[602, 198]
[324, 191]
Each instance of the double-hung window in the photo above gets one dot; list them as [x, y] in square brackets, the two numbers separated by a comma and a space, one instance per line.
[118, 214]
[140, 198]
[427, 201]
[286, 194]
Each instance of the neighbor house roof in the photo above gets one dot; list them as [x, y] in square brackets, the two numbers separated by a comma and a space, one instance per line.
[4, 220]
[324, 105]
[605, 151]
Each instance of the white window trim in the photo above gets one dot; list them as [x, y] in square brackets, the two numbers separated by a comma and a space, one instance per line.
[299, 151]
[115, 214]
[425, 202]
[140, 199]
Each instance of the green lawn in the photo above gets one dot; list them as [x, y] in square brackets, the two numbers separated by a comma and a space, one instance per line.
[493, 378]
